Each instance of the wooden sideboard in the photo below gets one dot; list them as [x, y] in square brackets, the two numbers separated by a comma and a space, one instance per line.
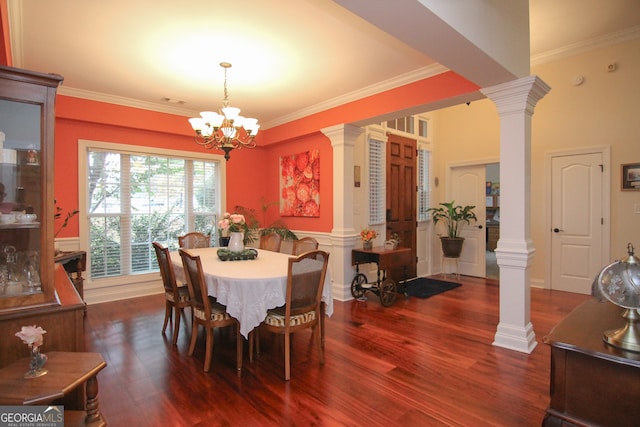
[592, 383]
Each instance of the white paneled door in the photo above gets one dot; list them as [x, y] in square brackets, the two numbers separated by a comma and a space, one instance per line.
[468, 187]
[576, 221]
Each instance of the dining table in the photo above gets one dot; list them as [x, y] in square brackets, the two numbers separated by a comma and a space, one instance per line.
[248, 288]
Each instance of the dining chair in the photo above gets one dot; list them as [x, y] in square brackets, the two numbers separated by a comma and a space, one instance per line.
[302, 308]
[303, 245]
[271, 242]
[194, 240]
[206, 311]
[176, 297]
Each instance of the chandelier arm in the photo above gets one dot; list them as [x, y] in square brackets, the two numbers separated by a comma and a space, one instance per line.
[219, 132]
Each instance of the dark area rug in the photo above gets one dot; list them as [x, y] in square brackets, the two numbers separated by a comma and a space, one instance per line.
[423, 287]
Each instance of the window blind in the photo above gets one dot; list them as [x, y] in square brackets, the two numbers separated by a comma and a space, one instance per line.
[376, 182]
[424, 193]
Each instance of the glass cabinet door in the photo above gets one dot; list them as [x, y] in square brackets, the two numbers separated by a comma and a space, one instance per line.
[26, 188]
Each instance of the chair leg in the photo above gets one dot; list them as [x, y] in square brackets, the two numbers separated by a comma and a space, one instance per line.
[317, 334]
[239, 343]
[167, 314]
[194, 337]
[209, 348]
[323, 310]
[176, 323]
[287, 356]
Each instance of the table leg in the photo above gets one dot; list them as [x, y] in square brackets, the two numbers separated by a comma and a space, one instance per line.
[93, 413]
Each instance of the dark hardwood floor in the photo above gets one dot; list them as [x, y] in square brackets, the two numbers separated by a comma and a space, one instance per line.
[420, 362]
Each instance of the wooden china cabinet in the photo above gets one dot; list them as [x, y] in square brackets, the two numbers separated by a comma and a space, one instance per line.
[33, 289]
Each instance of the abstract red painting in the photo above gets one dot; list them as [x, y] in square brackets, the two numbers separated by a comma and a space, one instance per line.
[300, 184]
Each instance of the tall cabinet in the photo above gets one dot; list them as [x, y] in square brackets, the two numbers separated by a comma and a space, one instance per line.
[33, 291]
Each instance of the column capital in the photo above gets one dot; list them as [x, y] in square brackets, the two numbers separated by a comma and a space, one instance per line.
[517, 95]
[342, 134]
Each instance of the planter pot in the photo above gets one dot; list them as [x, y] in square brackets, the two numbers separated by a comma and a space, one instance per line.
[451, 246]
[236, 243]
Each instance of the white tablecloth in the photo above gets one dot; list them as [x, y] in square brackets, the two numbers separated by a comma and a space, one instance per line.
[248, 288]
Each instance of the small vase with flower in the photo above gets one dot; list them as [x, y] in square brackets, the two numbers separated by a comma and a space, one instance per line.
[367, 237]
[32, 336]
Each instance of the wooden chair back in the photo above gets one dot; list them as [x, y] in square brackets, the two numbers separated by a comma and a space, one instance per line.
[303, 245]
[302, 309]
[305, 282]
[207, 311]
[194, 240]
[271, 242]
[176, 297]
[192, 267]
[166, 269]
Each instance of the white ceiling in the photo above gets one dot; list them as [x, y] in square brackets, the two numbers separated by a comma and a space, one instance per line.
[288, 61]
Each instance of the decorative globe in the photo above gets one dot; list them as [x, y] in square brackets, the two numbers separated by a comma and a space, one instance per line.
[619, 283]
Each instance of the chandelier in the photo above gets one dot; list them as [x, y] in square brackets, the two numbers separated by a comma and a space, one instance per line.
[225, 130]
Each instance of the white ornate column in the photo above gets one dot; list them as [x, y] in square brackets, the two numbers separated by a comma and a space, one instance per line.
[343, 235]
[515, 102]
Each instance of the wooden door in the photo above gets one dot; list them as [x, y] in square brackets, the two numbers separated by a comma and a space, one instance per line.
[576, 221]
[401, 197]
[468, 187]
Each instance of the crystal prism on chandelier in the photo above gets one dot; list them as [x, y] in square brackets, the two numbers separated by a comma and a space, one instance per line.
[225, 130]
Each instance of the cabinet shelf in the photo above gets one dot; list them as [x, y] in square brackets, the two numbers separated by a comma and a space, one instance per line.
[19, 225]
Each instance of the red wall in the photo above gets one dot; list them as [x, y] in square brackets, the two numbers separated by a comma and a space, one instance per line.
[5, 43]
[252, 174]
[82, 119]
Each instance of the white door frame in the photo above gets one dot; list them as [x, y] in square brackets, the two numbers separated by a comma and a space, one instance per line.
[605, 151]
[474, 162]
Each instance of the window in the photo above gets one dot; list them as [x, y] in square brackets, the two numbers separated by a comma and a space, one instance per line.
[403, 124]
[377, 175]
[423, 184]
[134, 198]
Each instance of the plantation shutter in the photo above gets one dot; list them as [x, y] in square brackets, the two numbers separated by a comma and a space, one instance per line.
[376, 182]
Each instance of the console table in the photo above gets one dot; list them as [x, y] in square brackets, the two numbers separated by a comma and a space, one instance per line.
[67, 371]
[592, 383]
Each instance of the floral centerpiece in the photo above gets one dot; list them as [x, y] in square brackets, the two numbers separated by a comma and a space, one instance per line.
[367, 237]
[33, 337]
[235, 223]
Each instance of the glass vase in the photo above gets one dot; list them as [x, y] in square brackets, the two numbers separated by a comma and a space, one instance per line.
[367, 244]
[236, 243]
[36, 364]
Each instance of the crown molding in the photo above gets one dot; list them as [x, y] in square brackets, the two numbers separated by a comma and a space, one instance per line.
[586, 45]
[404, 79]
[127, 102]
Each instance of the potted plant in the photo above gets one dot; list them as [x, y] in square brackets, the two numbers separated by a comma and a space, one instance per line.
[454, 217]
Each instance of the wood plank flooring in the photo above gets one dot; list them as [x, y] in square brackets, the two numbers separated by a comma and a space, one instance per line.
[421, 362]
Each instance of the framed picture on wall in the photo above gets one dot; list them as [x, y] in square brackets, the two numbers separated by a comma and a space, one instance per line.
[300, 184]
[631, 176]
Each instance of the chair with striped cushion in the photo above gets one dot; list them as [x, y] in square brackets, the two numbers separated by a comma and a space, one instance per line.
[206, 310]
[176, 297]
[271, 242]
[194, 240]
[303, 245]
[305, 281]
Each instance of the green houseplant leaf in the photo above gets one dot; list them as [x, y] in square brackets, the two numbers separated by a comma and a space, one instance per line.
[453, 216]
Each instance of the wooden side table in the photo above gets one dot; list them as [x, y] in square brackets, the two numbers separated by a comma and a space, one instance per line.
[592, 383]
[386, 260]
[67, 371]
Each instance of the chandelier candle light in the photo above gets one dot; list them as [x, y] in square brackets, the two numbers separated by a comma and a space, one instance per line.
[225, 130]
